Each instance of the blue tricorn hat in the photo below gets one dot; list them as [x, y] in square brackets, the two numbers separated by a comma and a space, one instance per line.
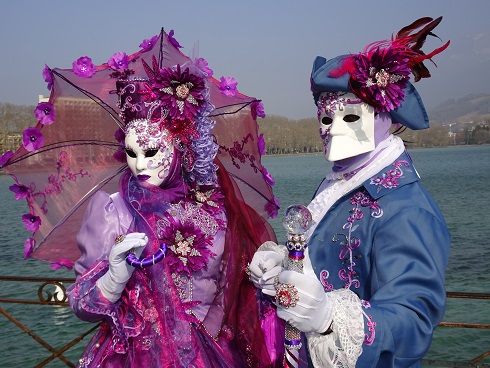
[411, 113]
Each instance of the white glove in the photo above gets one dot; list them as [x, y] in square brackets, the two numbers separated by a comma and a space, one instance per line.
[265, 266]
[313, 310]
[114, 281]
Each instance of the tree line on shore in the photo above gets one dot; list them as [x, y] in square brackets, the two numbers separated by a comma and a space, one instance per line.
[286, 136]
[281, 134]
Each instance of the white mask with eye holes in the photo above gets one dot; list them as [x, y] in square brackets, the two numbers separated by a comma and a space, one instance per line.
[149, 152]
[346, 125]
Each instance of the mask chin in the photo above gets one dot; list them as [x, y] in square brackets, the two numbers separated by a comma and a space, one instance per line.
[341, 148]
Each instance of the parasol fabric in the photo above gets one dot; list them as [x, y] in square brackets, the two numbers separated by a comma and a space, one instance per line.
[72, 151]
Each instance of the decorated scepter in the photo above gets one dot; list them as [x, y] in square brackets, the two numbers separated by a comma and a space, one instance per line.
[296, 220]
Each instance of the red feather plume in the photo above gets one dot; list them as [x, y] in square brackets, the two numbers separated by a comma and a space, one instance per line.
[415, 41]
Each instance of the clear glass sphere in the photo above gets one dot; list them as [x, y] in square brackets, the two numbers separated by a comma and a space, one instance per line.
[296, 219]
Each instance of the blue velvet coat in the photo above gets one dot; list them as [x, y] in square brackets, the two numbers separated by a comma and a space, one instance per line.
[388, 242]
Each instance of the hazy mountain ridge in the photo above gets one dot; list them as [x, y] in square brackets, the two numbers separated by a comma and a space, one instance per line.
[471, 108]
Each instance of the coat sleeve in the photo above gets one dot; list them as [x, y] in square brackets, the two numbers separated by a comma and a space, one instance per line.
[409, 258]
[103, 221]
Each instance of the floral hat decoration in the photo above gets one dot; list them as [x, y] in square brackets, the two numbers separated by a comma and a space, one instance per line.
[380, 74]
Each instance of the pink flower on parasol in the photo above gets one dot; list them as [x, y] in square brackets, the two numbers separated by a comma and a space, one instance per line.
[267, 177]
[20, 191]
[227, 86]
[44, 112]
[202, 65]
[28, 247]
[272, 208]
[31, 222]
[148, 43]
[119, 61]
[32, 139]
[48, 76]
[5, 157]
[258, 110]
[172, 40]
[83, 67]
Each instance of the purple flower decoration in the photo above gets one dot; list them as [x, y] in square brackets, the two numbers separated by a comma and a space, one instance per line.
[261, 144]
[119, 61]
[48, 76]
[5, 157]
[31, 222]
[62, 262]
[83, 67]
[29, 247]
[272, 208]
[188, 248]
[172, 40]
[181, 92]
[148, 43]
[227, 86]
[202, 65]
[20, 191]
[44, 112]
[267, 177]
[379, 78]
[257, 109]
[32, 139]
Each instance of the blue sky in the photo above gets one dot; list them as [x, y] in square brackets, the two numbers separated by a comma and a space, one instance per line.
[268, 46]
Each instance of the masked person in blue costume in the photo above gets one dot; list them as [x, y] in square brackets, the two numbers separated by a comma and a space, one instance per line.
[373, 289]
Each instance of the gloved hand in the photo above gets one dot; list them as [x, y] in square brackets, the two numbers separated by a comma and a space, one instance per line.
[265, 266]
[313, 310]
[114, 281]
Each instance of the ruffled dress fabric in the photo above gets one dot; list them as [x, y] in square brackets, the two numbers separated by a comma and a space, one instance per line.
[215, 319]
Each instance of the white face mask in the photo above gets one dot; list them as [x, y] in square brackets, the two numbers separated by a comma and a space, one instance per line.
[346, 125]
[149, 152]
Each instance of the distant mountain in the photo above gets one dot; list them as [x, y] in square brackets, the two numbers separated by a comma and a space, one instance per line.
[473, 107]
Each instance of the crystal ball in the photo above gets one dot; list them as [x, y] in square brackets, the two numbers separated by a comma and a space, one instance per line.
[296, 219]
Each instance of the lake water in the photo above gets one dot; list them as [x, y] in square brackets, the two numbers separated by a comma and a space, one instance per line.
[457, 177]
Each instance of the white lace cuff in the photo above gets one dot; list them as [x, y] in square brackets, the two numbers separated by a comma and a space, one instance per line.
[342, 347]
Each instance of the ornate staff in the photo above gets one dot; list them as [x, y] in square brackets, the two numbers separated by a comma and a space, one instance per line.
[296, 220]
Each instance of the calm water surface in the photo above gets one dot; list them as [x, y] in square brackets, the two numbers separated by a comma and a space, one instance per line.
[457, 177]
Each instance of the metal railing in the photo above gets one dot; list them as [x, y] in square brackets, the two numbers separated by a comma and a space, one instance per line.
[46, 297]
[476, 362]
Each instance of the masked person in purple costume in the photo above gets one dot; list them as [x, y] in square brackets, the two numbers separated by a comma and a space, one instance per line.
[196, 307]
[373, 289]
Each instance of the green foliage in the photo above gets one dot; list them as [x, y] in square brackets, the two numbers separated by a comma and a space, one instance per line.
[286, 136]
[13, 120]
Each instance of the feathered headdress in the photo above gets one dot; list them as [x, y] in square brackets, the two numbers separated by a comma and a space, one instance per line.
[380, 73]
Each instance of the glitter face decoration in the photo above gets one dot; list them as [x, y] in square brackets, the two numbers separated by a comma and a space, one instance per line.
[149, 151]
[346, 125]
